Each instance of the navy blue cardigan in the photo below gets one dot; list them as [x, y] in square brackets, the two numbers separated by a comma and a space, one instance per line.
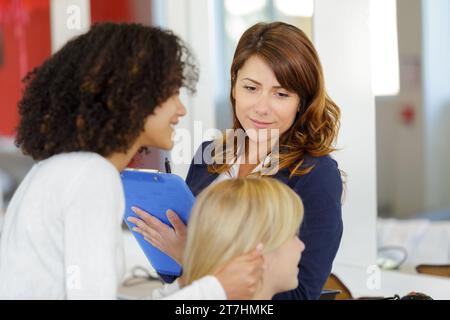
[321, 230]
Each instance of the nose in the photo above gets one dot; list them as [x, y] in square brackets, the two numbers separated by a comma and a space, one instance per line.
[181, 111]
[262, 107]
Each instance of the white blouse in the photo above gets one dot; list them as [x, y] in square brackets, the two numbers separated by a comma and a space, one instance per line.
[62, 236]
[233, 172]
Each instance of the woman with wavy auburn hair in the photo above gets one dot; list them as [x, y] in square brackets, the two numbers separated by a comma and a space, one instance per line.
[280, 104]
[247, 212]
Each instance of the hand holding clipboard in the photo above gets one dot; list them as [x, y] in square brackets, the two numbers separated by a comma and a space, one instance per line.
[155, 193]
[172, 240]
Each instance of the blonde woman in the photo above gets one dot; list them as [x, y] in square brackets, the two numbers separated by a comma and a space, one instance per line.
[231, 217]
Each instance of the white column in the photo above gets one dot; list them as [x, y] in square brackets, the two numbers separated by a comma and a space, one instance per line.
[68, 18]
[192, 20]
[436, 77]
[341, 35]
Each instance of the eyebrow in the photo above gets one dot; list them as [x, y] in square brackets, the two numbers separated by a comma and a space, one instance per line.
[256, 82]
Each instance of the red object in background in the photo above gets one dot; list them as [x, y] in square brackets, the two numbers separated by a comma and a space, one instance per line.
[111, 10]
[25, 37]
[25, 33]
[408, 114]
[138, 11]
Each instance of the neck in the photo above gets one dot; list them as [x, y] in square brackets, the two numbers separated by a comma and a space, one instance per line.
[257, 151]
[121, 160]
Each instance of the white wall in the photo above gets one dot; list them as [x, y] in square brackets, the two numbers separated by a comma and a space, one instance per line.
[68, 19]
[436, 77]
[400, 146]
[413, 171]
[341, 35]
[192, 21]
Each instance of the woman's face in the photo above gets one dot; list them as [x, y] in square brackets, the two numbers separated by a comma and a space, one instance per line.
[281, 272]
[159, 126]
[261, 102]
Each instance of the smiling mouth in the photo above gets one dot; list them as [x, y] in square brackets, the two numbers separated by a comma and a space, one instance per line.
[260, 124]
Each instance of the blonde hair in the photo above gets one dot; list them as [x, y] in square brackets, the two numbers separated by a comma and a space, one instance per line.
[231, 217]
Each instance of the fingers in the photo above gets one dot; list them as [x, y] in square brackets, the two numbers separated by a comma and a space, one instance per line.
[258, 251]
[255, 259]
[148, 218]
[256, 254]
[141, 226]
[176, 222]
[148, 222]
[259, 247]
[149, 235]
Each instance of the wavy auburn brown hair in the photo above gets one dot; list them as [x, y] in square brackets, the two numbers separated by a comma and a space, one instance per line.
[296, 65]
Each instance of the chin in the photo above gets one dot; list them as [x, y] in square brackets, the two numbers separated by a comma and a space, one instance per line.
[163, 144]
[294, 285]
[167, 146]
[254, 135]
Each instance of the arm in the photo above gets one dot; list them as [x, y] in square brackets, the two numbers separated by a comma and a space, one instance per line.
[321, 230]
[92, 245]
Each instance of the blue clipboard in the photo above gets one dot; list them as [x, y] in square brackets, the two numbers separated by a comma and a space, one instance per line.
[155, 193]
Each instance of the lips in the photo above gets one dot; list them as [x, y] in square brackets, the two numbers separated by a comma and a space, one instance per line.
[260, 124]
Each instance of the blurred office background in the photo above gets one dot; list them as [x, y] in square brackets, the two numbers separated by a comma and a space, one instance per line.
[409, 76]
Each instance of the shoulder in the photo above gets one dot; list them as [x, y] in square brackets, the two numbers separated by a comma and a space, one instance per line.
[204, 154]
[79, 171]
[321, 163]
[66, 168]
[95, 168]
[324, 172]
[321, 192]
[322, 186]
[207, 143]
[75, 163]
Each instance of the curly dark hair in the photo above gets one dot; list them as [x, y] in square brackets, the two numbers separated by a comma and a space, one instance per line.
[96, 92]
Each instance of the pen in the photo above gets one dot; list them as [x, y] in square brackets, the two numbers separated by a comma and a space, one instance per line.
[167, 165]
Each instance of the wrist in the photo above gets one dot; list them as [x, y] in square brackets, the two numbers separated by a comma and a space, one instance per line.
[222, 283]
[182, 281]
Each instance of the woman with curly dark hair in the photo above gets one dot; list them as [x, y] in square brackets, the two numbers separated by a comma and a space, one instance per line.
[289, 125]
[85, 113]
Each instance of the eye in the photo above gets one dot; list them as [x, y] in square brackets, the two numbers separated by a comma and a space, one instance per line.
[250, 88]
[282, 95]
